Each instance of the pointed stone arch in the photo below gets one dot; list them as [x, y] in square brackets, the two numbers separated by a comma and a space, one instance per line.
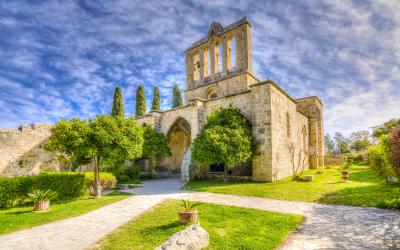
[179, 140]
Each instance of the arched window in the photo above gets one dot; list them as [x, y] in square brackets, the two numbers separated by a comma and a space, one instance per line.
[196, 66]
[213, 96]
[287, 125]
[231, 53]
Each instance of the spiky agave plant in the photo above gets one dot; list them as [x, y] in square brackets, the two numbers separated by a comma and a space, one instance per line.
[188, 205]
[42, 195]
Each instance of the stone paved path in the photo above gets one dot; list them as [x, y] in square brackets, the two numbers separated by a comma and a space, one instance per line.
[325, 227]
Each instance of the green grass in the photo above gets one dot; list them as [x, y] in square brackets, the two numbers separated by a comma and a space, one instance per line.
[228, 228]
[23, 217]
[366, 188]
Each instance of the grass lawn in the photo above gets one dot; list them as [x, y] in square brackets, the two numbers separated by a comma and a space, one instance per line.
[366, 188]
[228, 227]
[23, 217]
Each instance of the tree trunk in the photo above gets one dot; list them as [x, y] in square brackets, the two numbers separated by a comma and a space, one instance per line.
[96, 175]
[152, 163]
[225, 173]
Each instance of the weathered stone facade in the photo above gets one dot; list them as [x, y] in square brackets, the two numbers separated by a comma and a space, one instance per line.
[22, 152]
[217, 77]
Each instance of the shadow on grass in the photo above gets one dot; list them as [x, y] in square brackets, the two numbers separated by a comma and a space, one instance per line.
[20, 212]
[371, 195]
[169, 225]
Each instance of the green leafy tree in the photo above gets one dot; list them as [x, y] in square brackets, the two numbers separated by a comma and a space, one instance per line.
[176, 97]
[225, 139]
[329, 144]
[360, 140]
[118, 104]
[104, 139]
[341, 143]
[140, 101]
[155, 104]
[386, 128]
[155, 145]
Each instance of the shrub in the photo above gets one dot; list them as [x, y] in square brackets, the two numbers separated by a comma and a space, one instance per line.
[356, 158]
[380, 156]
[395, 149]
[125, 173]
[107, 180]
[15, 190]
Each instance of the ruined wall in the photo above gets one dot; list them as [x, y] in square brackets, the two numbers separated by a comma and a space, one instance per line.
[21, 151]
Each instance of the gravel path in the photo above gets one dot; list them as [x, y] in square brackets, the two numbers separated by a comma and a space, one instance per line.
[325, 227]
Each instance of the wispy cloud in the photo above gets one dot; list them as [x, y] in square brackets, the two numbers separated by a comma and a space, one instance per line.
[63, 58]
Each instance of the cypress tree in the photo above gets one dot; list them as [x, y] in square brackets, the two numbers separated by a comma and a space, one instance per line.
[140, 101]
[155, 105]
[118, 103]
[176, 97]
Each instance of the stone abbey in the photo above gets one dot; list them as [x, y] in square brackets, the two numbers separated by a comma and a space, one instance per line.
[219, 73]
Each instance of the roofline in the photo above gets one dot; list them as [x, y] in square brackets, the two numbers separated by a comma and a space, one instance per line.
[313, 96]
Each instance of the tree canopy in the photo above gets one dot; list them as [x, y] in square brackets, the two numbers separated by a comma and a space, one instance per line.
[225, 139]
[155, 143]
[104, 139]
[176, 97]
[155, 104]
[140, 101]
[118, 104]
[386, 128]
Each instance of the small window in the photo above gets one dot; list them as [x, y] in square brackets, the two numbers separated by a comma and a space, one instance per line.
[213, 96]
[287, 125]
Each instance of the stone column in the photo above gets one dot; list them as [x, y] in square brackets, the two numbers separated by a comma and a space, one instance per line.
[212, 57]
[201, 61]
[224, 54]
[261, 128]
[313, 147]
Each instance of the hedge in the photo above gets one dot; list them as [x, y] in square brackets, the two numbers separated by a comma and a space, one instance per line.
[68, 185]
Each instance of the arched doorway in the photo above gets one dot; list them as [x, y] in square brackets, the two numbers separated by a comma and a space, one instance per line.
[179, 139]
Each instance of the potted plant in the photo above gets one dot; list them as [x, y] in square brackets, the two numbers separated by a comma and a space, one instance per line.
[346, 170]
[41, 199]
[188, 214]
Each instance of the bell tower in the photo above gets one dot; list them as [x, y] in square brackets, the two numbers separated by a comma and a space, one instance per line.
[222, 58]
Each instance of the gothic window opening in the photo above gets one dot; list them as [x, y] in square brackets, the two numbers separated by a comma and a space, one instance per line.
[196, 66]
[213, 96]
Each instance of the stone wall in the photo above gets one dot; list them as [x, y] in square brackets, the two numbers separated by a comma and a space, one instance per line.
[22, 152]
[289, 127]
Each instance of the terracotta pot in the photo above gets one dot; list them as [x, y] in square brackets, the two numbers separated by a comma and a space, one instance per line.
[42, 205]
[186, 217]
[345, 175]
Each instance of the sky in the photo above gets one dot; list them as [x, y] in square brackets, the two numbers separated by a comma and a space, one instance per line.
[63, 59]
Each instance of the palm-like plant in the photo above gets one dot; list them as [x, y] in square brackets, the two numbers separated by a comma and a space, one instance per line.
[42, 195]
[188, 205]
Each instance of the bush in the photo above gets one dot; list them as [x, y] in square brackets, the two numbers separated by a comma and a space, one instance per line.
[394, 203]
[125, 173]
[107, 180]
[380, 156]
[15, 190]
[67, 185]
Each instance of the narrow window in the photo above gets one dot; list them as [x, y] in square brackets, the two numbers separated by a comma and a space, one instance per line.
[213, 96]
[196, 66]
[287, 125]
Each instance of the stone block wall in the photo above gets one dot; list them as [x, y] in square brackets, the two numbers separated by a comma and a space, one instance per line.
[21, 151]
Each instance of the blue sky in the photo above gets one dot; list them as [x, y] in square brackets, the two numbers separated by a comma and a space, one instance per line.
[63, 59]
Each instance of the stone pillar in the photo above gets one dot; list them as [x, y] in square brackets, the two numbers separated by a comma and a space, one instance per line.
[201, 61]
[212, 58]
[224, 54]
[313, 147]
[189, 69]
[261, 128]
